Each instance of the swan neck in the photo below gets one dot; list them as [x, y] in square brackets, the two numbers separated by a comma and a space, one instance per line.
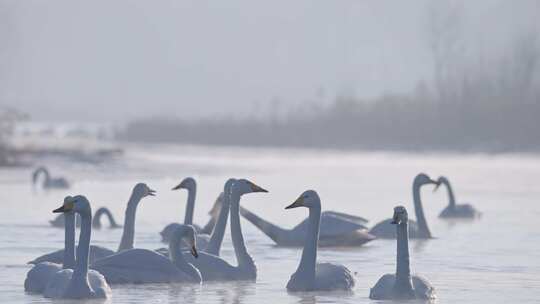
[190, 207]
[216, 238]
[451, 197]
[128, 234]
[83, 248]
[419, 211]
[242, 256]
[276, 233]
[69, 240]
[403, 271]
[177, 258]
[309, 253]
[96, 221]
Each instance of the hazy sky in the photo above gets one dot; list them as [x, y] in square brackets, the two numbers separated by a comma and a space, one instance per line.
[116, 60]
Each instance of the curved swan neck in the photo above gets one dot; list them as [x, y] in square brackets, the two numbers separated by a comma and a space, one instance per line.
[178, 259]
[96, 221]
[190, 207]
[451, 197]
[128, 234]
[242, 256]
[309, 253]
[276, 233]
[81, 269]
[69, 240]
[216, 239]
[419, 211]
[403, 283]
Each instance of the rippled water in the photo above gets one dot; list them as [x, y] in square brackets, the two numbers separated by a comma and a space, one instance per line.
[492, 260]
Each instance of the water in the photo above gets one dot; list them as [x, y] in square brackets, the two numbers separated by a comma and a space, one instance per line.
[492, 260]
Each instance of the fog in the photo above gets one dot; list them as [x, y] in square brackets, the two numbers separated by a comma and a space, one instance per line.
[115, 61]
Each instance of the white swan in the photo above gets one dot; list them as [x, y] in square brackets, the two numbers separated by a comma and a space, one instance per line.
[336, 230]
[454, 210]
[49, 182]
[79, 283]
[213, 245]
[140, 191]
[140, 266]
[420, 230]
[191, 186]
[310, 275]
[214, 268]
[402, 286]
[38, 277]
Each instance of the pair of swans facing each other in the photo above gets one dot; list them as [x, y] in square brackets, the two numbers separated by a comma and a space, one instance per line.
[139, 192]
[402, 285]
[74, 280]
[59, 221]
[141, 266]
[48, 181]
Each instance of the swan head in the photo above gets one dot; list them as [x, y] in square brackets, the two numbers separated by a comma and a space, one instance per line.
[188, 183]
[400, 215]
[142, 190]
[243, 186]
[186, 233]
[441, 180]
[308, 199]
[423, 179]
[78, 204]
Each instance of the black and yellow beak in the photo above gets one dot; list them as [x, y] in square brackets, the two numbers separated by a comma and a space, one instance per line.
[179, 186]
[67, 207]
[299, 202]
[194, 251]
[256, 188]
[151, 192]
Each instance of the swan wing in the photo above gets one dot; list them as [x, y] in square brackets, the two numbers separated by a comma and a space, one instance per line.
[330, 225]
[57, 285]
[384, 287]
[330, 276]
[353, 218]
[212, 268]
[99, 284]
[138, 266]
[38, 277]
[96, 253]
[422, 288]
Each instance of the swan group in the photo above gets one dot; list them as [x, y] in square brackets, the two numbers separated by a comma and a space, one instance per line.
[85, 271]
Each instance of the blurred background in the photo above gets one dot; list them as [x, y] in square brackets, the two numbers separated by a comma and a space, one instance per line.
[415, 75]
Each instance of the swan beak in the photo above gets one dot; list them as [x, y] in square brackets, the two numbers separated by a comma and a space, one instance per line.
[299, 202]
[194, 251]
[395, 220]
[151, 192]
[256, 188]
[180, 186]
[67, 207]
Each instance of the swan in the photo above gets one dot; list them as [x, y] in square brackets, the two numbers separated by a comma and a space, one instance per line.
[454, 210]
[49, 182]
[96, 220]
[78, 283]
[140, 266]
[214, 268]
[310, 275]
[336, 229]
[38, 277]
[191, 186]
[402, 286]
[213, 245]
[418, 230]
[140, 191]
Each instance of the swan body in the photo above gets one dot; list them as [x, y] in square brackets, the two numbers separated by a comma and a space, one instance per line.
[336, 229]
[78, 283]
[402, 285]
[310, 275]
[453, 210]
[49, 182]
[139, 266]
[417, 230]
[140, 191]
